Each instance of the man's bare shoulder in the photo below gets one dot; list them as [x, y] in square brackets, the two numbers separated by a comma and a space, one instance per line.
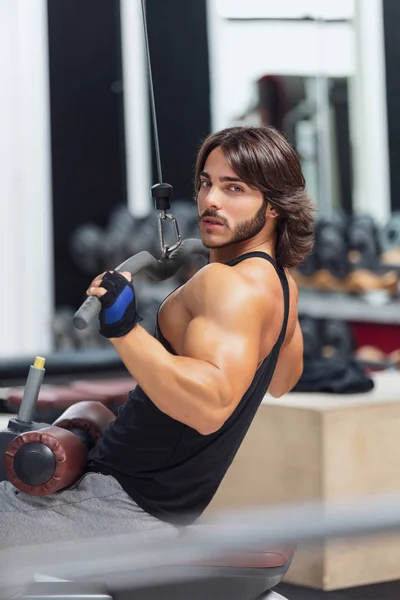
[215, 272]
[217, 278]
[220, 287]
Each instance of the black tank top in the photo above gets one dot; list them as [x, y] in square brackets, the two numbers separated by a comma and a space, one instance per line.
[168, 468]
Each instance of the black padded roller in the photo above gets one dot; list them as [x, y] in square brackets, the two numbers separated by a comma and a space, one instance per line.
[34, 463]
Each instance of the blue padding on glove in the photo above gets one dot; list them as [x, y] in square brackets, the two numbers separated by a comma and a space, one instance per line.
[118, 315]
[117, 310]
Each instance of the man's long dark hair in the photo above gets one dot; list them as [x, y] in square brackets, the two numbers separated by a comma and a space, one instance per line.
[264, 160]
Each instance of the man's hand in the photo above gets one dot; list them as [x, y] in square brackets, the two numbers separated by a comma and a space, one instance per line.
[117, 296]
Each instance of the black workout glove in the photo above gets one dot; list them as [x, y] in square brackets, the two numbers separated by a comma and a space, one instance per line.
[118, 315]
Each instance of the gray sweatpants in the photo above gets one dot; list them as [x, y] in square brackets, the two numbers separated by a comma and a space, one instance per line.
[95, 506]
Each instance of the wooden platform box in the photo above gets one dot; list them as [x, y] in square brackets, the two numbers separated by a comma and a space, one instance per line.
[326, 447]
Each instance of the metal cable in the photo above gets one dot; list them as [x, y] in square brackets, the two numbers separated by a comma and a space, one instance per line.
[152, 96]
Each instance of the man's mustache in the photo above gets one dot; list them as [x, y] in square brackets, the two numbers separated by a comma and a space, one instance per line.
[212, 214]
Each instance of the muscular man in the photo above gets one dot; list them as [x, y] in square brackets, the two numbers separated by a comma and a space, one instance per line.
[223, 339]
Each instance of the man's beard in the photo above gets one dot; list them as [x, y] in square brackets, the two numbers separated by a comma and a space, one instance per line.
[243, 231]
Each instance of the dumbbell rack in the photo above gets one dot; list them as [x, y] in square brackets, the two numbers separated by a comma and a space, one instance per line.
[336, 305]
[372, 321]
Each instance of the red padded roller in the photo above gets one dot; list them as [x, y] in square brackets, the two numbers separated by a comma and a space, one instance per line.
[69, 453]
[91, 416]
[53, 397]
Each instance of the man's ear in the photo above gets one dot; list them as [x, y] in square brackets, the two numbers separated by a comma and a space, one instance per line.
[271, 212]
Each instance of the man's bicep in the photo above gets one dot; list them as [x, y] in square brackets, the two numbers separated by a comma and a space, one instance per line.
[230, 345]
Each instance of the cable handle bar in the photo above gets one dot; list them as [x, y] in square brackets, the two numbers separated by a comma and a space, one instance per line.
[158, 269]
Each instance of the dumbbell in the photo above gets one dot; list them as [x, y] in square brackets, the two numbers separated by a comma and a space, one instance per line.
[312, 342]
[116, 237]
[363, 242]
[86, 248]
[336, 339]
[144, 236]
[375, 358]
[67, 337]
[390, 234]
[310, 264]
[331, 245]
[390, 240]
[64, 337]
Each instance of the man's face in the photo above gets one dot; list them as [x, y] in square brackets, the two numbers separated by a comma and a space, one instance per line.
[229, 210]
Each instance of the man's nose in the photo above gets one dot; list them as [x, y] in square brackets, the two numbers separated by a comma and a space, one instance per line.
[213, 198]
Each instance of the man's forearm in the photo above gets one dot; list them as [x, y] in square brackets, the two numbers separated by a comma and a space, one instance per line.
[188, 390]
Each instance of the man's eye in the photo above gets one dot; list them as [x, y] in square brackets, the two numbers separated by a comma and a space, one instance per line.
[205, 184]
[235, 188]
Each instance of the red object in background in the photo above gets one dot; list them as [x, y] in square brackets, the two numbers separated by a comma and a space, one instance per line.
[382, 336]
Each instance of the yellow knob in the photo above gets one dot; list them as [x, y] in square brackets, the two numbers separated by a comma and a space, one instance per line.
[39, 362]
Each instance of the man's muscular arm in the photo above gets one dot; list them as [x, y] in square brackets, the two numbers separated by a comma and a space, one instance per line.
[289, 367]
[220, 353]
